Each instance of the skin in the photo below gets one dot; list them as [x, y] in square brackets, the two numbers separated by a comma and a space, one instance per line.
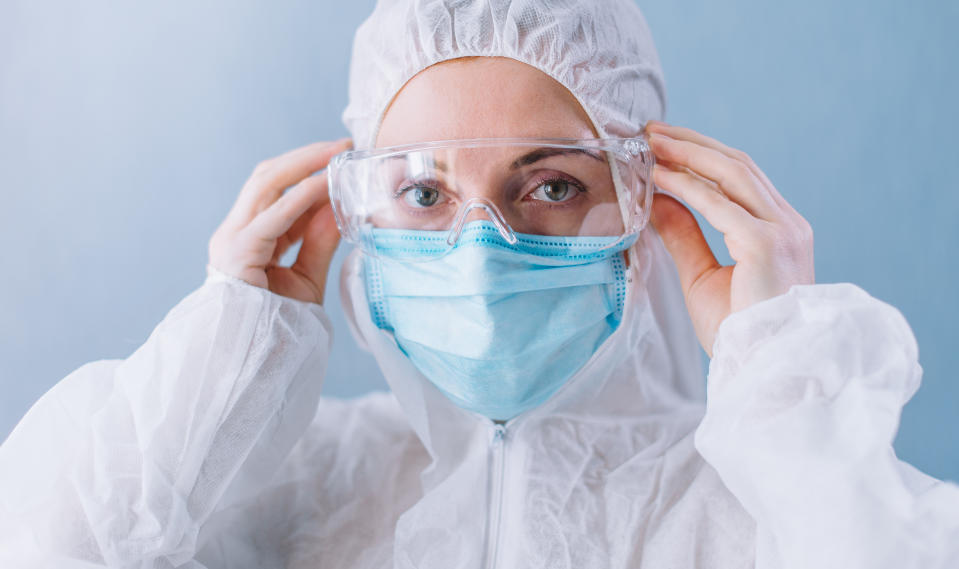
[771, 244]
[530, 104]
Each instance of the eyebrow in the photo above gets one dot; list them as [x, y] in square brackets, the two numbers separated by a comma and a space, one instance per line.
[543, 153]
[528, 158]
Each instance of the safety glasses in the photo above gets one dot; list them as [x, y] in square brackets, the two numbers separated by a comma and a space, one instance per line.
[561, 188]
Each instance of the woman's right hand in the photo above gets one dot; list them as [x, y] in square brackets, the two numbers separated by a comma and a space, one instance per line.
[264, 222]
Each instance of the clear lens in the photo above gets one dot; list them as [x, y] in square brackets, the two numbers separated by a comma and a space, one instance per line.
[548, 187]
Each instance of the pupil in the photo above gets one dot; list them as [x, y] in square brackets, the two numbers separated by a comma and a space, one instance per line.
[426, 196]
[556, 191]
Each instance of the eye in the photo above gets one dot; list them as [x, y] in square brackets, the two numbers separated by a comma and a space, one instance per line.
[420, 196]
[555, 191]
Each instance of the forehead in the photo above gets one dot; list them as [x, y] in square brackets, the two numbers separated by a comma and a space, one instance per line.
[497, 161]
[482, 97]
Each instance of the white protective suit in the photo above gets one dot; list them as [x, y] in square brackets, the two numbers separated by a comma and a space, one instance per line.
[211, 447]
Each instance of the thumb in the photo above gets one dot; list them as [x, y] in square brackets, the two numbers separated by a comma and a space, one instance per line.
[683, 239]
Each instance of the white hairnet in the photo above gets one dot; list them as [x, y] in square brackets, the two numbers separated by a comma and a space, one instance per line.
[602, 52]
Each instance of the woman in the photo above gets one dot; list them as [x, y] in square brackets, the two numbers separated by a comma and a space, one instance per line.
[211, 447]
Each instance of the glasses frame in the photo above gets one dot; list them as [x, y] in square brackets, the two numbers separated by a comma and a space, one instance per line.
[625, 149]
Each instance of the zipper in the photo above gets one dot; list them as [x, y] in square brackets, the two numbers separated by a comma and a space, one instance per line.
[497, 473]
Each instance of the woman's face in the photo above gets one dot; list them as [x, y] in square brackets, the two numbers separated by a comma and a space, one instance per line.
[539, 192]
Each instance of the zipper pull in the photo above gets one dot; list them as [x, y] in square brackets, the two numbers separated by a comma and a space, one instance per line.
[499, 433]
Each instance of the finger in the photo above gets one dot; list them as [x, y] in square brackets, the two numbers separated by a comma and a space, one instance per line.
[688, 134]
[684, 240]
[725, 215]
[673, 167]
[272, 176]
[295, 233]
[735, 178]
[683, 133]
[319, 243]
[279, 217]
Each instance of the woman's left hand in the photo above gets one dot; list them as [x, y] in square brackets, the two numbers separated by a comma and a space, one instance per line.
[771, 244]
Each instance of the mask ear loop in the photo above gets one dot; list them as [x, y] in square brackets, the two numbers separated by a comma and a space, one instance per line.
[491, 211]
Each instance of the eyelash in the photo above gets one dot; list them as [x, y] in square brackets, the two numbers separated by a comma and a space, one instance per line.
[549, 178]
[540, 180]
[408, 185]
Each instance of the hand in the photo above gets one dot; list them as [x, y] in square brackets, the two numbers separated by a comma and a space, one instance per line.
[264, 222]
[771, 244]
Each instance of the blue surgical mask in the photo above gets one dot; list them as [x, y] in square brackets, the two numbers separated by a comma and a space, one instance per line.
[497, 328]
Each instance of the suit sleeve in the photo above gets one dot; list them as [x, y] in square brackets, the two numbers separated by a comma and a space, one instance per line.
[122, 462]
[804, 396]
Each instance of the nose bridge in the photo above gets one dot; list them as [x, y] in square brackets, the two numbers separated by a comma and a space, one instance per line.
[472, 210]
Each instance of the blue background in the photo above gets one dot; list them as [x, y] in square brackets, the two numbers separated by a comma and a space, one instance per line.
[126, 130]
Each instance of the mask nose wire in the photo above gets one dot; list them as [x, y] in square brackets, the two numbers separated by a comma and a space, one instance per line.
[492, 212]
